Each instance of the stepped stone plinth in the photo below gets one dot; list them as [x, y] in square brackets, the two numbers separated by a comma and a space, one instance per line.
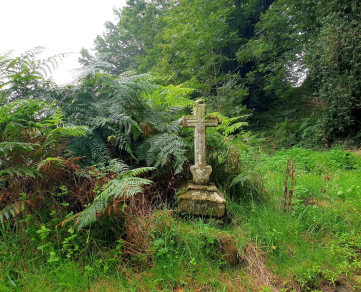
[202, 200]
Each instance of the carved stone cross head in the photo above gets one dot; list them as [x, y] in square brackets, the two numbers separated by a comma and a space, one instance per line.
[201, 171]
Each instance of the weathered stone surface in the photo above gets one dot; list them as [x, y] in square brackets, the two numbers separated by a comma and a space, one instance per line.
[201, 171]
[201, 174]
[202, 200]
[192, 186]
[199, 198]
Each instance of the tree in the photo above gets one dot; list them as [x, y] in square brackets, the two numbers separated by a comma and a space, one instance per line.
[193, 47]
[189, 43]
[277, 49]
[126, 44]
[335, 63]
[313, 40]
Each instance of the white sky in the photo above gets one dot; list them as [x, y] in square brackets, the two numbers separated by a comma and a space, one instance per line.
[60, 26]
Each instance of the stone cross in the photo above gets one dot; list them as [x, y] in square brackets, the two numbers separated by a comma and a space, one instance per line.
[201, 171]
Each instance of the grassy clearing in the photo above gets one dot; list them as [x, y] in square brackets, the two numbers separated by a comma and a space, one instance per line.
[319, 239]
[313, 246]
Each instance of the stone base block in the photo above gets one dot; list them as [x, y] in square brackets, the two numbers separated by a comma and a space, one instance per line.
[201, 175]
[202, 200]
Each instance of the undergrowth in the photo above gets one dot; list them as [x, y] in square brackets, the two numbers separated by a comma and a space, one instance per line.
[82, 206]
[261, 246]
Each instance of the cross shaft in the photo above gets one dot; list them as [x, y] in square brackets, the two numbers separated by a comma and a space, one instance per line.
[200, 170]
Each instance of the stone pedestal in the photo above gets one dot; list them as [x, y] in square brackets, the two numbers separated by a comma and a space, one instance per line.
[202, 200]
[198, 197]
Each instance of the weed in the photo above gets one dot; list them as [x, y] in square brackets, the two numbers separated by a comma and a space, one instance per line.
[289, 189]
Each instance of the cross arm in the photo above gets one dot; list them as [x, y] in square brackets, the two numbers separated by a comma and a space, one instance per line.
[188, 121]
[212, 121]
[191, 121]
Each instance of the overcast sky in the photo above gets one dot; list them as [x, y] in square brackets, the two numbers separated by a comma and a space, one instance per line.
[60, 26]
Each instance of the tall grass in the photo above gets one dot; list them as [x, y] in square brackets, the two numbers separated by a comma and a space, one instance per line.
[316, 242]
[325, 214]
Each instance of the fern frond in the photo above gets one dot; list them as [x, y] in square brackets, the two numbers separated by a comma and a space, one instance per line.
[231, 129]
[97, 64]
[125, 186]
[92, 146]
[116, 165]
[229, 125]
[171, 167]
[32, 53]
[89, 215]
[42, 67]
[172, 96]
[241, 178]
[10, 147]
[62, 132]
[161, 149]
[19, 170]
[11, 210]
[51, 162]
[140, 170]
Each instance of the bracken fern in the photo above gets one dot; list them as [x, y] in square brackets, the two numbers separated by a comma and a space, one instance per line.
[125, 185]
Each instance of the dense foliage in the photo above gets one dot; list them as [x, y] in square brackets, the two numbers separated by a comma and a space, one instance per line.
[90, 171]
[255, 55]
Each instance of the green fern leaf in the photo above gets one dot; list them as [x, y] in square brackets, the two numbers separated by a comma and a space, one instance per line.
[11, 210]
[126, 185]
